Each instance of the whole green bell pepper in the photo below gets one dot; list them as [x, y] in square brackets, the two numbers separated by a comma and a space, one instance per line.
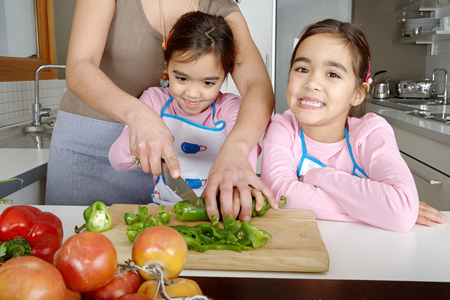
[187, 212]
[97, 218]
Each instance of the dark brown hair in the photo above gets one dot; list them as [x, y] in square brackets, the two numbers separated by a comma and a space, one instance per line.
[197, 33]
[351, 35]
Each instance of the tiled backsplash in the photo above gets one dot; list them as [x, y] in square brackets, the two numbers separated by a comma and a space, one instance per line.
[17, 97]
[441, 59]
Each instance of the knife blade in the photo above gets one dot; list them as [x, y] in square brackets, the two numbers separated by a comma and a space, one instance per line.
[181, 188]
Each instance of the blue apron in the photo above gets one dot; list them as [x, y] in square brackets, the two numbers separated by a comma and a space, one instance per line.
[308, 162]
[196, 147]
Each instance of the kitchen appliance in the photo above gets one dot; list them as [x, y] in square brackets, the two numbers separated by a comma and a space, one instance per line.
[181, 188]
[381, 90]
[415, 88]
[296, 244]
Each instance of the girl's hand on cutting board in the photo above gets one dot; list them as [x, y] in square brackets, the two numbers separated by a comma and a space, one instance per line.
[429, 216]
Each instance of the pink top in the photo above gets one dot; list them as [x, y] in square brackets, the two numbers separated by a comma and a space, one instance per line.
[227, 108]
[387, 200]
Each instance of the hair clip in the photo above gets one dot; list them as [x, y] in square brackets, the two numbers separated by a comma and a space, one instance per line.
[368, 79]
[164, 44]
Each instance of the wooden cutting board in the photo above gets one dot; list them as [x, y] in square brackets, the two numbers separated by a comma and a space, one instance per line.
[296, 244]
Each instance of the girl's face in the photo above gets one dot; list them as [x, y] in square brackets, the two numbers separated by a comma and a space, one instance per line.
[196, 84]
[322, 86]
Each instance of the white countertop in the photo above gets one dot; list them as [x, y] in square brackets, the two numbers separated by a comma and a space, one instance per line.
[357, 251]
[14, 162]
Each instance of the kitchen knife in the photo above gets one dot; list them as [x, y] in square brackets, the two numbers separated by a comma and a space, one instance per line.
[181, 188]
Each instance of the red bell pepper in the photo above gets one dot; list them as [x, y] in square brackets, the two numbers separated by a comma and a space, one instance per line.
[42, 231]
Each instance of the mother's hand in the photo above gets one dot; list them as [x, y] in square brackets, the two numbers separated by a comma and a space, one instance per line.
[151, 141]
[232, 170]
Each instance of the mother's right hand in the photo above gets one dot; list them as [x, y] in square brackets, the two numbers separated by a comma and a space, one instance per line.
[151, 141]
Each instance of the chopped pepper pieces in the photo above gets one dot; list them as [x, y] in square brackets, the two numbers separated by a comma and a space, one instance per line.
[97, 218]
[256, 235]
[203, 237]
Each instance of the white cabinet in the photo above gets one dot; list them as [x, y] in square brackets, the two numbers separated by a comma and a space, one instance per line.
[260, 16]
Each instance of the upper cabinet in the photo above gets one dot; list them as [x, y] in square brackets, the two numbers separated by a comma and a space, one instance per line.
[412, 10]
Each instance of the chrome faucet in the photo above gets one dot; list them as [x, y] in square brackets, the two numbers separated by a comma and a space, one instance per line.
[38, 112]
[444, 95]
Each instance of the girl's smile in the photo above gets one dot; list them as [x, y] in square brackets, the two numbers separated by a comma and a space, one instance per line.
[310, 103]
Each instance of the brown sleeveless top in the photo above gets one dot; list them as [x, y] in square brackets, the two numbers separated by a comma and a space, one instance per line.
[133, 57]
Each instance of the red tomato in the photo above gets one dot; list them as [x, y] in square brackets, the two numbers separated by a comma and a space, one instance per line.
[71, 295]
[87, 261]
[179, 287]
[134, 297]
[123, 283]
[29, 277]
[161, 245]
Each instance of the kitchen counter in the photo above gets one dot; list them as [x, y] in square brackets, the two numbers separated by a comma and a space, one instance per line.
[431, 129]
[364, 262]
[28, 164]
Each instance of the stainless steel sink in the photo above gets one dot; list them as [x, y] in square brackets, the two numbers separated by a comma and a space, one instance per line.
[408, 101]
[25, 135]
[425, 108]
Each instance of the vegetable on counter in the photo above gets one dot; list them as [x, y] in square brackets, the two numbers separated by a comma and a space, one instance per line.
[97, 218]
[187, 212]
[26, 230]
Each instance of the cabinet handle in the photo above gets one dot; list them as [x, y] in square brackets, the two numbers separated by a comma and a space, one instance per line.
[427, 179]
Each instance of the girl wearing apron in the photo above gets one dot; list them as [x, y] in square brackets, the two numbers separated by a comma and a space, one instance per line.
[318, 155]
[199, 54]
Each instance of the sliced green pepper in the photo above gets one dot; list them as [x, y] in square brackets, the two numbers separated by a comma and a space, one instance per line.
[256, 235]
[130, 218]
[97, 218]
[164, 216]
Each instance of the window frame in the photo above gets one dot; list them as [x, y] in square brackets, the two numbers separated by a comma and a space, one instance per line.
[23, 69]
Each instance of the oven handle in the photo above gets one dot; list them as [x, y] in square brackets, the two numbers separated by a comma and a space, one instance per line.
[426, 178]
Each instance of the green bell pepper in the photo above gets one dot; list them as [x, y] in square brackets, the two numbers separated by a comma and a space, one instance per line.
[187, 212]
[97, 218]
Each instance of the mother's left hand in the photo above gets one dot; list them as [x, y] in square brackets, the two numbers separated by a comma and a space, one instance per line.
[232, 170]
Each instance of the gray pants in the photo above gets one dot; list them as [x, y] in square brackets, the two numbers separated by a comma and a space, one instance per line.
[79, 172]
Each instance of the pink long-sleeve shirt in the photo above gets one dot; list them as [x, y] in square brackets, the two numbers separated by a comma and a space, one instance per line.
[227, 108]
[387, 200]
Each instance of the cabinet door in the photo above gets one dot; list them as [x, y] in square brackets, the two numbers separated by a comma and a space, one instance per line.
[433, 186]
[260, 18]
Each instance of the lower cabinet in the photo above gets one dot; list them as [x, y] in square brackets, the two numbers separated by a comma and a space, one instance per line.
[429, 163]
[433, 186]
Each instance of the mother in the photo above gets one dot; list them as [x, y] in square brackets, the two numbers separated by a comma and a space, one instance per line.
[115, 52]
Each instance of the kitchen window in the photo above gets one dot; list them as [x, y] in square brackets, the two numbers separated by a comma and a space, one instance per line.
[23, 68]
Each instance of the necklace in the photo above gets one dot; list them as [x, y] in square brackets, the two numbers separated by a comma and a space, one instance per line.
[164, 82]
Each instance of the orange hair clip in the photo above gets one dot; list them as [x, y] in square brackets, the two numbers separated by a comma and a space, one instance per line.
[164, 44]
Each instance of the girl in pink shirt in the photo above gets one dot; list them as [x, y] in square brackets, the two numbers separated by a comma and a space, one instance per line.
[199, 53]
[319, 155]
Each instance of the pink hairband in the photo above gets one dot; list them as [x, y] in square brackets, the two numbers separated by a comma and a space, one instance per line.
[368, 79]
